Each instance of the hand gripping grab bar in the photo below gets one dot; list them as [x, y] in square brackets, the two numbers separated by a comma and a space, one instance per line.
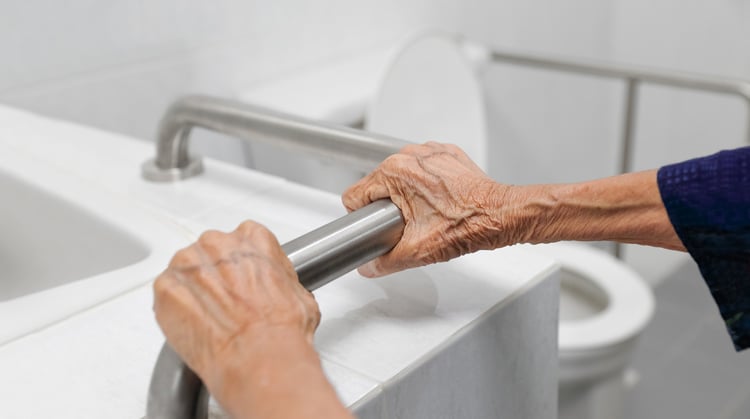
[320, 256]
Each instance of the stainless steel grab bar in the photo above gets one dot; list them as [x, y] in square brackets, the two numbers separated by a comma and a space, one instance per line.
[318, 257]
[633, 77]
[364, 150]
[355, 148]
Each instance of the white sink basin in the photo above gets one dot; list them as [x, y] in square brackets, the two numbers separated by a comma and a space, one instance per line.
[66, 244]
[47, 242]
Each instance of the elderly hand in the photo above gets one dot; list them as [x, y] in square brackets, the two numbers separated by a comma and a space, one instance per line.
[452, 208]
[448, 203]
[231, 306]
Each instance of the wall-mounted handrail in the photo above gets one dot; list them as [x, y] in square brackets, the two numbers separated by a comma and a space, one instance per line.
[633, 77]
[626, 72]
[355, 148]
[320, 256]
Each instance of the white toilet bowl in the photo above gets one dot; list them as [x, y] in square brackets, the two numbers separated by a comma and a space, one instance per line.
[604, 306]
[431, 92]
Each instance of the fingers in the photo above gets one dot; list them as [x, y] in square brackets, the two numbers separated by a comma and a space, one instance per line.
[226, 286]
[432, 185]
[387, 264]
[176, 309]
[376, 186]
[369, 189]
[370, 269]
[256, 237]
[221, 269]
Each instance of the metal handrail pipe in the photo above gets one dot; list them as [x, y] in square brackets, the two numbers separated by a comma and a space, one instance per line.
[632, 76]
[351, 147]
[318, 257]
[668, 78]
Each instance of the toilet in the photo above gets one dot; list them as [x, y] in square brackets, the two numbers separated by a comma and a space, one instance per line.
[432, 91]
[604, 307]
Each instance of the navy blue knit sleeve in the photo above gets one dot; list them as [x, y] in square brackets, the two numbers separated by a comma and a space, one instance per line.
[708, 202]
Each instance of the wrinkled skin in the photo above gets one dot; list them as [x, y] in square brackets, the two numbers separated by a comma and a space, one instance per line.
[445, 199]
[226, 294]
[232, 308]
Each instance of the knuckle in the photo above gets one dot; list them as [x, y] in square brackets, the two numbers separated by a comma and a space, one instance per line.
[453, 149]
[201, 277]
[211, 238]
[256, 231]
[183, 257]
[247, 228]
[391, 160]
[163, 287]
[265, 234]
[396, 161]
[410, 148]
[160, 286]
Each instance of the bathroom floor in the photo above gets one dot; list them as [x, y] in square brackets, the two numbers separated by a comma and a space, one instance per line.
[685, 362]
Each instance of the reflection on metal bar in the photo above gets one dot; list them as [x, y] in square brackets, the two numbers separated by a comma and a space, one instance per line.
[356, 148]
[320, 256]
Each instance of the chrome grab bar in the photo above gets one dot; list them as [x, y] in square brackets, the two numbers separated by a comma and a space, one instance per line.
[633, 77]
[355, 148]
[320, 256]
[364, 150]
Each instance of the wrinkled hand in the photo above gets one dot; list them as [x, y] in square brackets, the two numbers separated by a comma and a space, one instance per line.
[446, 200]
[222, 296]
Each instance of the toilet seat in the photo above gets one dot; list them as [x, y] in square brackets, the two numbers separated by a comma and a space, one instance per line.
[630, 305]
[431, 93]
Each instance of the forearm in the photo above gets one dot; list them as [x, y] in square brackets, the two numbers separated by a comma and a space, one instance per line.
[281, 377]
[626, 208]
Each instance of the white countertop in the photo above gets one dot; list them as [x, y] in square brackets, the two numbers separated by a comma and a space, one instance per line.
[97, 363]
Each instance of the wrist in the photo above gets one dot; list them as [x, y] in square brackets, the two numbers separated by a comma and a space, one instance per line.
[255, 361]
[521, 214]
[625, 208]
[277, 375]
